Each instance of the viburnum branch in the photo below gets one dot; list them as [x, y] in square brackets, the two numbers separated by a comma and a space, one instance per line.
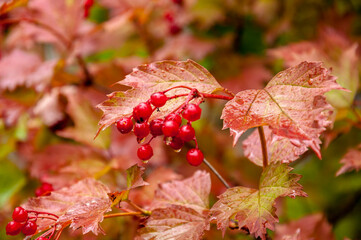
[181, 86]
[145, 212]
[216, 96]
[45, 213]
[264, 146]
[216, 173]
[123, 214]
[88, 80]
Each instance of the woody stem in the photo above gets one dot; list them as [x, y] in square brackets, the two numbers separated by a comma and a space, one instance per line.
[264, 146]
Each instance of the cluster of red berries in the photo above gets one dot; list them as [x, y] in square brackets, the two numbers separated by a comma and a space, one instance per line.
[170, 127]
[87, 5]
[21, 223]
[44, 190]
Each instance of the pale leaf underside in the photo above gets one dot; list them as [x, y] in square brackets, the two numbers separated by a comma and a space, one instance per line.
[150, 78]
[292, 105]
[83, 204]
[254, 209]
[351, 161]
[179, 210]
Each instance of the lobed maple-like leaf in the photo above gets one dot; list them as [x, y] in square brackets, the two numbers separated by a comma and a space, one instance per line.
[192, 192]
[83, 205]
[20, 68]
[313, 226]
[336, 51]
[174, 222]
[292, 105]
[252, 208]
[150, 78]
[351, 161]
[179, 210]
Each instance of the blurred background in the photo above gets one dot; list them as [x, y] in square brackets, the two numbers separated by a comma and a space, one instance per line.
[59, 59]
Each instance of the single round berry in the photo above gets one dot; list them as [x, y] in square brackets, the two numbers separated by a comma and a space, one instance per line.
[29, 228]
[176, 143]
[192, 112]
[186, 133]
[142, 112]
[174, 29]
[170, 128]
[158, 99]
[155, 127]
[141, 130]
[145, 152]
[174, 117]
[179, 2]
[13, 228]
[39, 192]
[47, 188]
[194, 157]
[125, 125]
[20, 215]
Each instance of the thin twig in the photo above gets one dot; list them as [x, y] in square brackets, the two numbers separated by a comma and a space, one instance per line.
[88, 77]
[145, 212]
[216, 173]
[264, 146]
[122, 214]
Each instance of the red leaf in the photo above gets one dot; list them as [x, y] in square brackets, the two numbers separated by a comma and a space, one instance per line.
[192, 192]
[20, 68]
[180, 209]
[150, 78]
[174, 222]
[314, 226]
[252, 208]
[10, 5]
[292, 105]
[351, 161]
[83, 204]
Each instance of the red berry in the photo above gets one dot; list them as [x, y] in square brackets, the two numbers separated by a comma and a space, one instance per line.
[176, 143]
[141, 130]
[174, 29]
[195, 157]
[170, 128]
[186, 132]
[155, 127]
[20, 215]
[179, 2]
[158, 99]
[174, 117]
[13, 228]
[125, 125]
[29, 228]
[142, 112]
[169, 16]
[192, 112]
[39, 192]
[88, 3]
[47, 188]
[145, 152]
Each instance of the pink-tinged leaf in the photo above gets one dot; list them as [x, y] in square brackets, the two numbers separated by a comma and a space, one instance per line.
[254, 209]
[351, 161]
[134, 177]
[7, 6]
[174, 222]
[292, 105]
[192, 192]
[10, 111]
[62, 164]
[83, 205]
[150, 78]
[314, 226]
[85, 119]
[179, 210]
[20, 68]
[337, 52]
